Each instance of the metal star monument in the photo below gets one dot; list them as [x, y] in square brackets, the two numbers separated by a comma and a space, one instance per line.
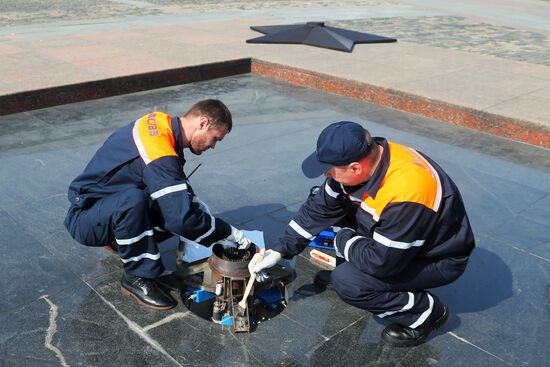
[315, 34]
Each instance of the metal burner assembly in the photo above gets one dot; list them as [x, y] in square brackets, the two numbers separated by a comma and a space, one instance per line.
[212, 288]
[234, 254]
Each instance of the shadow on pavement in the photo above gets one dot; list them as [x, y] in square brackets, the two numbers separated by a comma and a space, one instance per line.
[486, 282]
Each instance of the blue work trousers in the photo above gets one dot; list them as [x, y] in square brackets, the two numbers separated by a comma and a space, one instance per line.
[127, 218]
[403, 298]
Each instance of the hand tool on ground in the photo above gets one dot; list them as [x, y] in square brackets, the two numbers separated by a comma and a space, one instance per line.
[321, 256]
[324, 240]
[244, 302]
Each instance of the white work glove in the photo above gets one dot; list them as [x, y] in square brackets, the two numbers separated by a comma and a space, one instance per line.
[256, 268]
[237, 236]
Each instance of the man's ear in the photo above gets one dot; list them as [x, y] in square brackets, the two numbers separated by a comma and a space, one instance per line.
[203, 122]
[355, 167]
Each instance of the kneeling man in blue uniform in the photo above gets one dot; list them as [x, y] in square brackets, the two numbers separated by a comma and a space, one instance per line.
[406, 229]
[134, 193]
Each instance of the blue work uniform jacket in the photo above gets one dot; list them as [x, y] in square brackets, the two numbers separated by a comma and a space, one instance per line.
[409, 208]
[148, 155]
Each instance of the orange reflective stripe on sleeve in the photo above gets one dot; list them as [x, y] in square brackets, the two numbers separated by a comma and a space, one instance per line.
[153, 136]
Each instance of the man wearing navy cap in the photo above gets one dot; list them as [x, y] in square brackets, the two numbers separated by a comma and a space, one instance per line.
[406, 229]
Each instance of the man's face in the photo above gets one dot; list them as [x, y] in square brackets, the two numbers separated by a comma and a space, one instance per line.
[206, 137]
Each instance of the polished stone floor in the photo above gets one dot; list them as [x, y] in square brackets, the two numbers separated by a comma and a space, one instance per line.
[60, 302]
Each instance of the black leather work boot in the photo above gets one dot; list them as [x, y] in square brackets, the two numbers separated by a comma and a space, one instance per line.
[147, 292]
[403, 336]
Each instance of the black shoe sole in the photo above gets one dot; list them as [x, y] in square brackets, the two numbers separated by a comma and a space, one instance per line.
[414, 342]
[159, 308]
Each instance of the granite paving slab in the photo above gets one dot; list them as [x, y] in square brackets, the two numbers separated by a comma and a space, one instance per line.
[75, 327]
[28, 269]
[61, 301]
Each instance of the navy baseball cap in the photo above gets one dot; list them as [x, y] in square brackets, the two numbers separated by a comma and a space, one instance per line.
[340, 143]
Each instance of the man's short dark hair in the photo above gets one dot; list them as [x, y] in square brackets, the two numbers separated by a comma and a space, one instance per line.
[215, 111]
[370, 142]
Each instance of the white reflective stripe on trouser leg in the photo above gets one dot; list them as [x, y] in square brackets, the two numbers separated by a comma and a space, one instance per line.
[425, 314]
[302, 232]
[407, 307]
[129, 241]
[142, 256]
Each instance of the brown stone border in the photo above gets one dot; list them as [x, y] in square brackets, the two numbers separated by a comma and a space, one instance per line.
[54, 96]
[510, 128]
[514, 129]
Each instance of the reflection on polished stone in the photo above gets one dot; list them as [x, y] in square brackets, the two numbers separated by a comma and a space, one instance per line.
[252, 179]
